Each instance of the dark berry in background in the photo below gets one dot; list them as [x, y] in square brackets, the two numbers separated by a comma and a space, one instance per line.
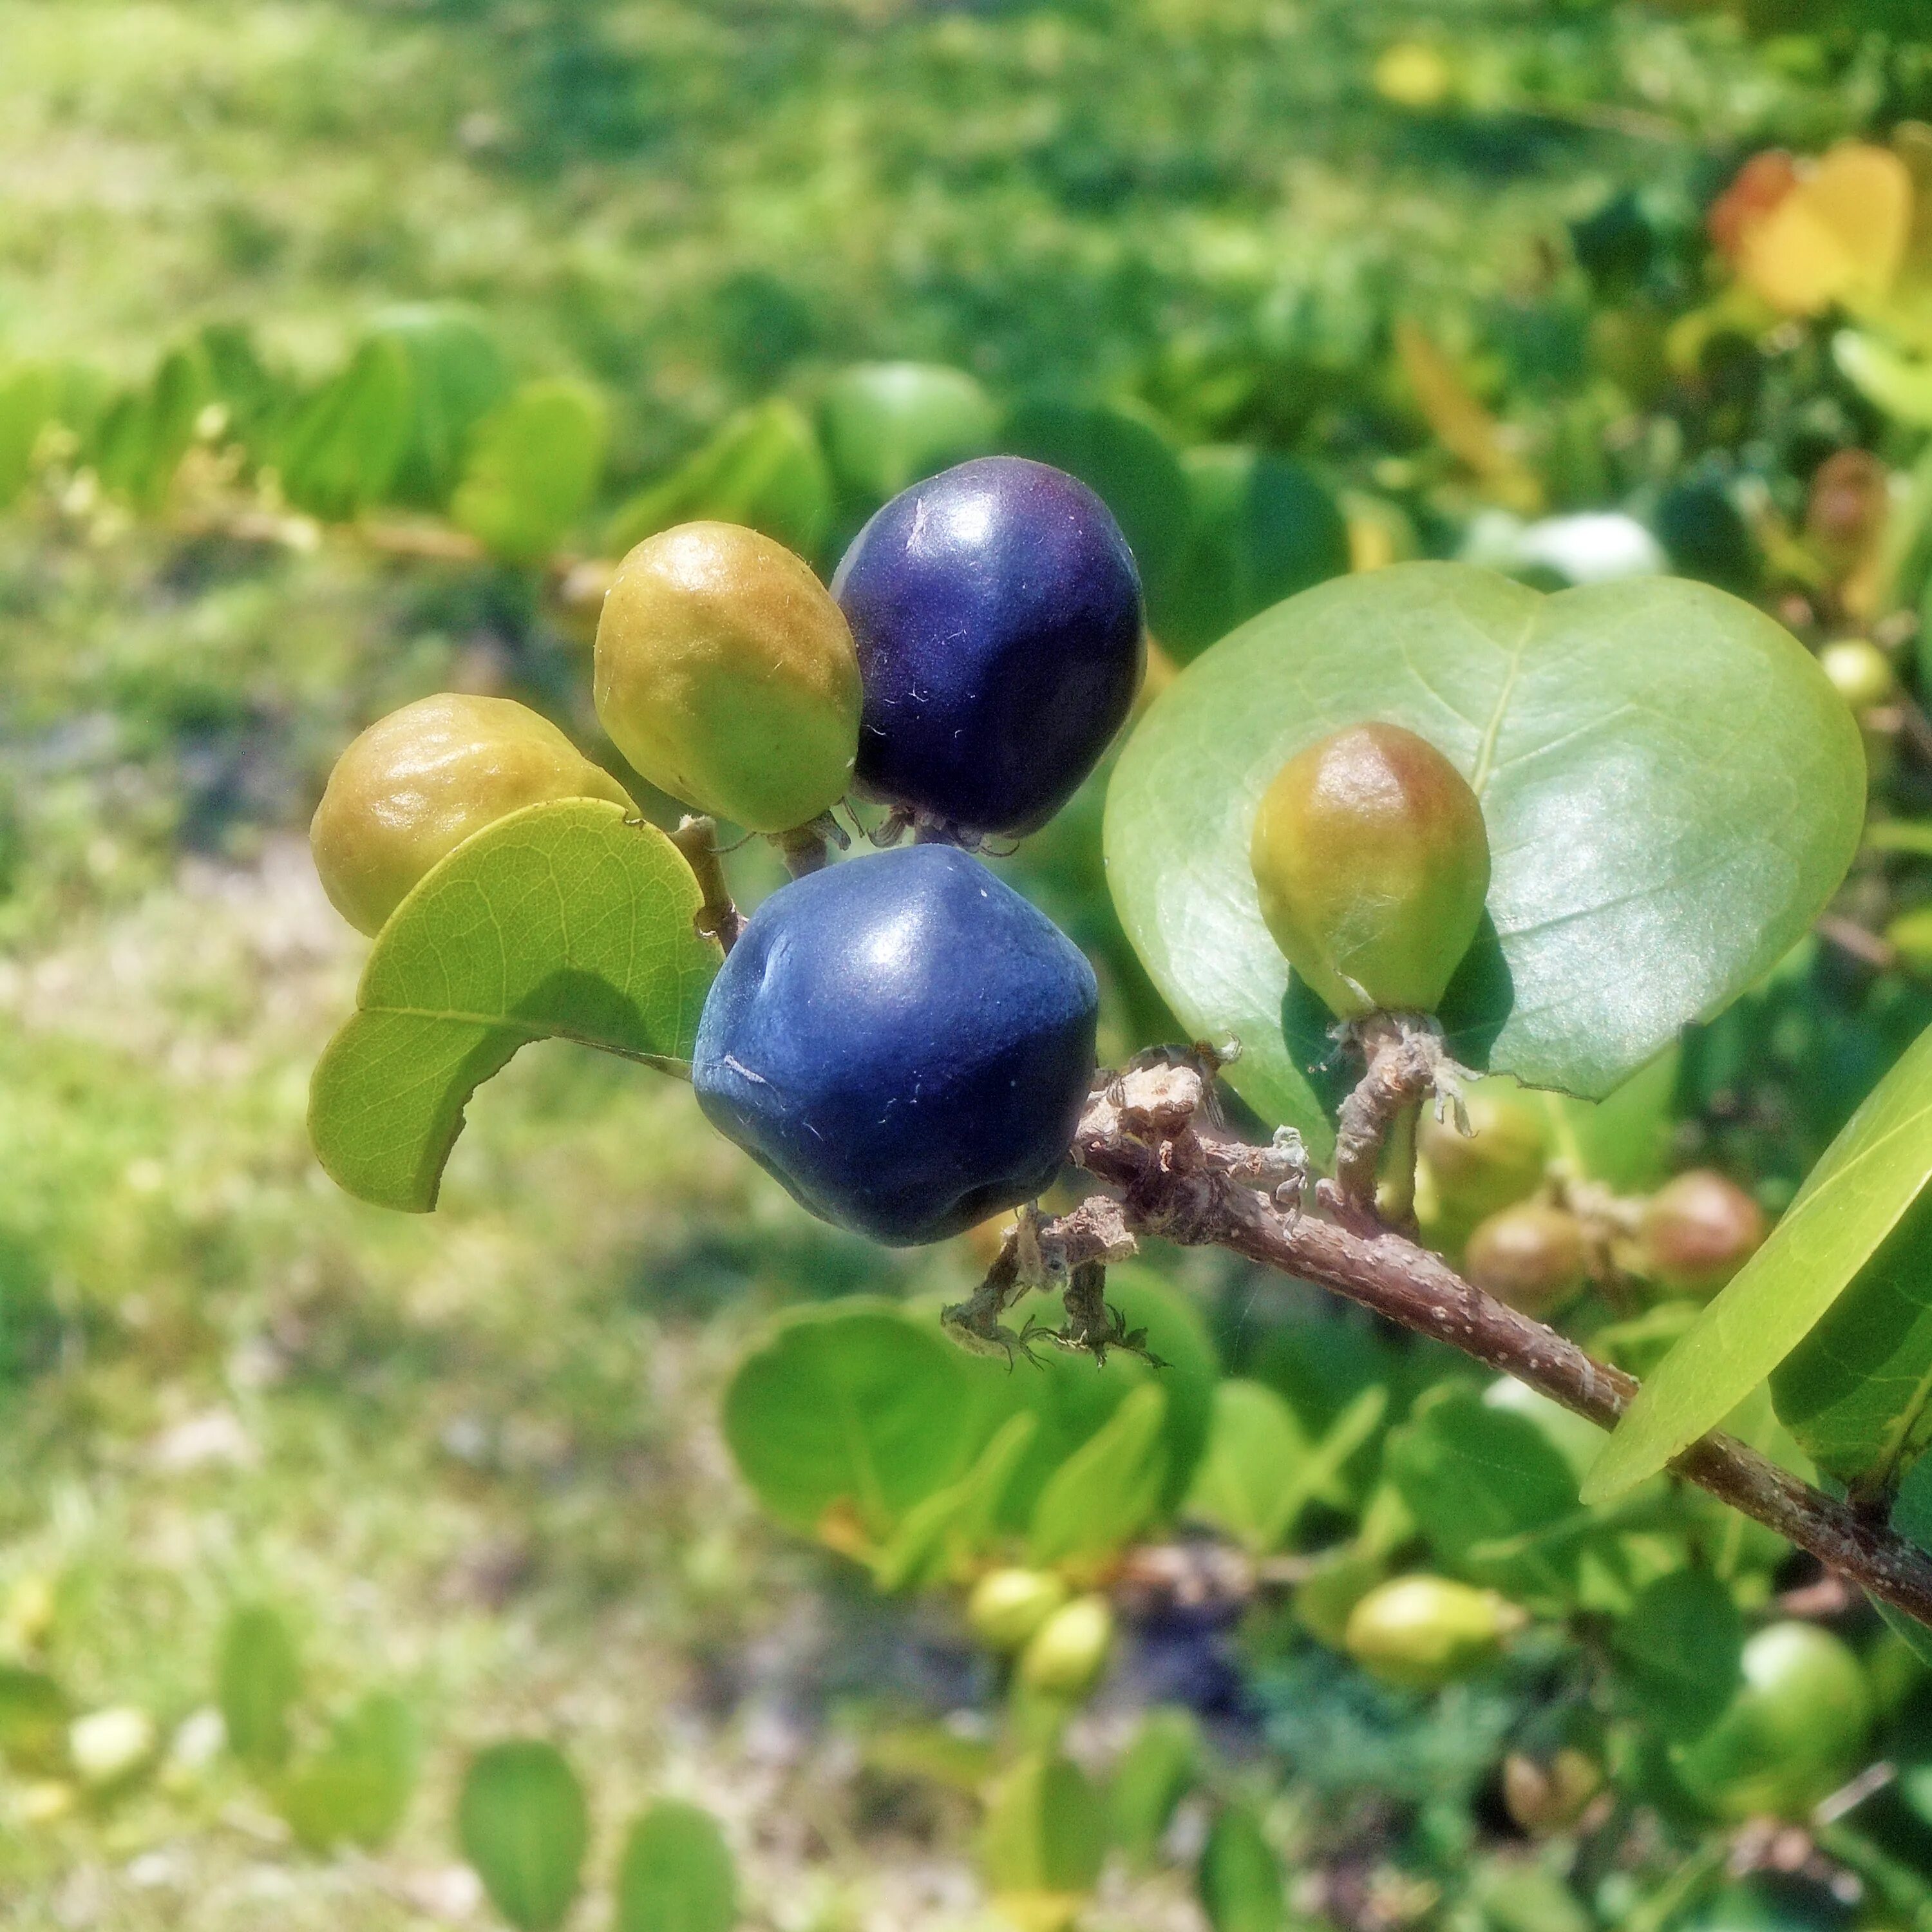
[997, 610]
[904, 1041]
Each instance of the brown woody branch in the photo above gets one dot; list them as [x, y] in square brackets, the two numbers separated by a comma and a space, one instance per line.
[1149, 1139]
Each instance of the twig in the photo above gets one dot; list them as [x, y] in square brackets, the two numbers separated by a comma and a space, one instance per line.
[1404, 1064]
[1149, 1138]
[717, 918]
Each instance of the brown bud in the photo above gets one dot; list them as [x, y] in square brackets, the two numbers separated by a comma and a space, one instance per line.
[1846, 508]
[1699, 1231]
[1372, 861]
[1532, 1256]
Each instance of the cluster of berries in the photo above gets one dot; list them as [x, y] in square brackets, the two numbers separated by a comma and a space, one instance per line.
[904, 1041]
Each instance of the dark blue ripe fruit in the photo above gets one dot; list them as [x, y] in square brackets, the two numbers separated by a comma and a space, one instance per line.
[996, 610]
[903, 1041]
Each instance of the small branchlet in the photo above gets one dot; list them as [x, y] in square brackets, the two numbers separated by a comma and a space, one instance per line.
[717, 918]
[1405, 1065]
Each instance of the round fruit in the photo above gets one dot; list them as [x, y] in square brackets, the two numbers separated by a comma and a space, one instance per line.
[1370, 855]
[1861, 673]
[1423, 1632]
[1498, 1162]
[726, 674]
[1698, 1231]
[903, 1041]
[1532, 1256]
[997, 611]
[1008, 1605]
[1069, 1650]
[418, 782]
[1793, 1733]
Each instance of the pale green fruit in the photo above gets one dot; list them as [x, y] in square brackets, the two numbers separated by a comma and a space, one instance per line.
[418, 782]
[1372, 863]
[1793, 1733]
[1068, 1651]
[1422, 1632]
[727, 675]
[1008, 1605]
[1861, 673]
[1499, 1162]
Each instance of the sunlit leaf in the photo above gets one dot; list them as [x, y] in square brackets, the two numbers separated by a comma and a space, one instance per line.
[1855, 1196]
[523, 1826]
[566, 920]
[34, 1714]
[456, 375]
[259, 1678]
[1672, 790]
[1153, 1774]
[1240, 1879]
[532, 468]
[889, 424]
[26, 407]
[851, 1412]
[139, 443]
[941, 1531]
[1044, 1838]
[677, 1874]
[763, 468]
[1247, 1484]
[355, 1790]
[1107, 1488]
[1895, 383]
[346, 443]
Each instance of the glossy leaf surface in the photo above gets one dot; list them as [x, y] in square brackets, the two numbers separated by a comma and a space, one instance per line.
[565, 920]
[1852, 1200]
[1671, 790]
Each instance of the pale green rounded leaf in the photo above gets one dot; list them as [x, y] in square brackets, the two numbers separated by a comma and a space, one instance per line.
[565, 920]
[1248, 1483]
[349, 440]
[532, 467]
[1855, 1196]
[356, 1789]
[1240, 1879]
[677, 1875]
[889, 424]
[1671, 788]
[523, 1826]
[1046, 1835]
[846, 1416]
[258, 1678]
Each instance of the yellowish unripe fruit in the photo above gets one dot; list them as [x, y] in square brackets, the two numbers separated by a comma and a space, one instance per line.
[1531, 1255]
[1861, 673]
[1372, 863]
[418, 782]
[1069, 1652]
[1498, 1162]
[1698, 1231]
[1423, 1632]
[727, 676]
[1008, 1605]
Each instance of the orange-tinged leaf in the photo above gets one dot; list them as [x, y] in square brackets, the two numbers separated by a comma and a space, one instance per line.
[1863, 195]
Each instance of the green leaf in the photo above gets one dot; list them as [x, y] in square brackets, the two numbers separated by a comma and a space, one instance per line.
[1855, 1196]
[1892, 383]
[1125, 460]
[522, 1822]
[1249, 1482]
[1046, 1835]
[1856, 1393]
[942, 1531]
[258, 1679]
[1240, 1879]
[1261, 528]
[1154, 1773]
[890, 425]
[139, 443]
[848, 1414]
[532, 468]
[355, 1790]
[1107, 1488]
[565, 920]
[1072, 1400]
[1678, 1652]
[347, 442]
[677, 1874]
[1483, 1483]
[456, 375]
[1912, 1517]
[763, 468]
[1625, 1140]
[1673, 791]
[26, 408]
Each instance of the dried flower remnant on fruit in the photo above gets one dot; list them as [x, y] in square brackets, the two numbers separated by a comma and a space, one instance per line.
[416, 784]
[1698, 1231]
[726, 674]
[1372, 861]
